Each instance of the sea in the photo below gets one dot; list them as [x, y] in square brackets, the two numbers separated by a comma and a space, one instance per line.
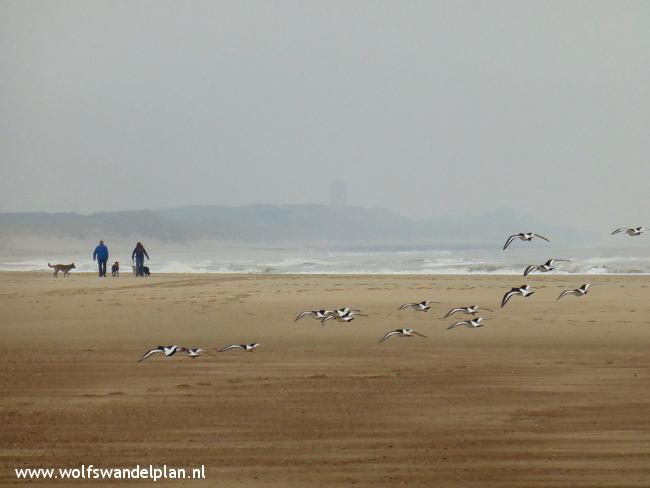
[622, 259]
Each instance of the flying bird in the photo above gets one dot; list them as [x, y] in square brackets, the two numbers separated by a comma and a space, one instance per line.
[579, 292]
[418, 307]
[243, 347]
[524, 236]
[632, 231]
[168, 350]
[471, 310]
[346, 317]
[346, 314]
[193, 352]
[401, 333]
[523, 291]
[472, 324]
[348, 310]
[322, 315]
[544, 268]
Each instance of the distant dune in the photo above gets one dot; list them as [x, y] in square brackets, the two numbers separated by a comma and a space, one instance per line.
[275, 225]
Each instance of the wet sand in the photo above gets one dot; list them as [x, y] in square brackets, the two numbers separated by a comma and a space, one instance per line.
[547, 393]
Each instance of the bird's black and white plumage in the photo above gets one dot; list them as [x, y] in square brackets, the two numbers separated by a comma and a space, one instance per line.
[340, 312]
[346, 317]
[346, 314]
[244, 347]
[471, 310]
[400, 333]
[630, 231]
[418, 307]
[193, 352]
[472, 323]
[167, 350]
[322, 315]
[543, 268]
[523, 236]
[523, 291]
[579, 292]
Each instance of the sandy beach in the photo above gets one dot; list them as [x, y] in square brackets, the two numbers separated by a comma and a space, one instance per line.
[547, 393]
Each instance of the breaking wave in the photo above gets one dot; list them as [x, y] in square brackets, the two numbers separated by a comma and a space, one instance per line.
[434, 262]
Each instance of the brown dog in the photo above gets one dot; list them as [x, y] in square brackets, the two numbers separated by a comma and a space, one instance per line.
[115, 269]
[62, 267]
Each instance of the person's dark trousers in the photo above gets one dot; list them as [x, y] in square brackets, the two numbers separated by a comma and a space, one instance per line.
[102, 267]
[139, 263]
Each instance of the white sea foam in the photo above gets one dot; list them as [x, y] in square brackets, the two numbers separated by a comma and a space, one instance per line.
[434, 262]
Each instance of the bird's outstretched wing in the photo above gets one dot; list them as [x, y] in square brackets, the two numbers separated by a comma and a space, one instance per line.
[509, 241]
[417, 333]
[407, 305]
[345, 318]
[171, 350]
[565, 293]
[389, 335]
[232, 346]
[483, 308]
[350, 311]
[530, 269]
[150, 352]
[458, 324]
[541, 237]
[507, 297]
[622, 229]
[453, 311]
[326, 318]
[304, 314]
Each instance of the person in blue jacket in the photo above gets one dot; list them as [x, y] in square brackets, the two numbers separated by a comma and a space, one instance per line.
[101, 255]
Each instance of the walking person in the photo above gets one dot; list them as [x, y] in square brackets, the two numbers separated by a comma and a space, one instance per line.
[138, 254]
[101, 255]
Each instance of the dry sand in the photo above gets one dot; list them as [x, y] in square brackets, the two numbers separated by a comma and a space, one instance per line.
[546, 394]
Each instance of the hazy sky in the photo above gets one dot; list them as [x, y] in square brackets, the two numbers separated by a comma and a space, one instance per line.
[426, 107]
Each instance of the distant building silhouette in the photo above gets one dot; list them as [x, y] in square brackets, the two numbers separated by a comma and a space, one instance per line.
[338, 193]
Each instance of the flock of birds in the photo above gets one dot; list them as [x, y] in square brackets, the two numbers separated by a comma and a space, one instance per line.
[347, 314]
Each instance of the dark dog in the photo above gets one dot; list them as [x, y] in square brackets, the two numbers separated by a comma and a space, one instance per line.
[115, 269]
[145, 270]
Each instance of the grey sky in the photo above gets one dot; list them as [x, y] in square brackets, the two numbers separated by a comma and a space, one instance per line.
[429, 108]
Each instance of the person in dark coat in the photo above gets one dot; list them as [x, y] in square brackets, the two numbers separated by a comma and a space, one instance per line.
[139, 254]
[101, 255]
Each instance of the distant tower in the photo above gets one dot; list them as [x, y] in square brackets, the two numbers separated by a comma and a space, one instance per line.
[338, 193]
[74, 205]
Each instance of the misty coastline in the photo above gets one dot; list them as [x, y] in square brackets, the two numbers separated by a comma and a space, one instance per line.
[305, 239]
